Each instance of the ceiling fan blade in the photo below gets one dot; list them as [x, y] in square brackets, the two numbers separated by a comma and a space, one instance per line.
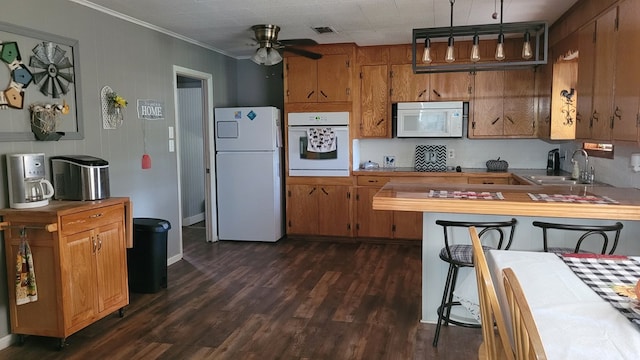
[305, 53]
[297, 42]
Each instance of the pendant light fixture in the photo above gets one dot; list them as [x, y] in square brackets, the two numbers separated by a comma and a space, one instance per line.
[527, 53]
[534, 48]
[475, 49]
[450, 55]
[426, 53]
[500, 46]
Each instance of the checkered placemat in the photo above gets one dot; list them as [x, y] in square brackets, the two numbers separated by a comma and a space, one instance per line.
[587, 199]
[485, 195]
[603, 273]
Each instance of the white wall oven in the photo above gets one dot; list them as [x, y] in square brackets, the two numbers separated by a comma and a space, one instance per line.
[318, 144]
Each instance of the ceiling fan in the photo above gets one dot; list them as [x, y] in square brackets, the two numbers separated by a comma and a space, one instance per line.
[268, 54]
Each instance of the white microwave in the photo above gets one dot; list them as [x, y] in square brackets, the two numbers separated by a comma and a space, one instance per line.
[430, 119]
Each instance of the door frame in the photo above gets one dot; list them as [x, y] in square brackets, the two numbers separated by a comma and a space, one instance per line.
[211, 221]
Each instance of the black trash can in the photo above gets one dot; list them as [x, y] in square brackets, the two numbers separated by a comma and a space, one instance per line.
[147, 260]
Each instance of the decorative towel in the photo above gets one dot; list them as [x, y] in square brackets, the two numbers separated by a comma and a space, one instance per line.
[26, 290]
[321, 140]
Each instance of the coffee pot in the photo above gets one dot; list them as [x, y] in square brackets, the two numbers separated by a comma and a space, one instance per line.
[553, 162]
[28, 187]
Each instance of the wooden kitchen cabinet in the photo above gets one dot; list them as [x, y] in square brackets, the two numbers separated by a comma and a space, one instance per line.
[375, 114]
[385, 224]
[327, 79]
[602, 111]
[586, 63]
[80, 267]
[407, 86]
[315, 209]
[503, 104]
[627, 77]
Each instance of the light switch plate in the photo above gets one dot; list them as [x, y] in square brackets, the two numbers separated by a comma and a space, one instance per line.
[172, 145]
[171, 132]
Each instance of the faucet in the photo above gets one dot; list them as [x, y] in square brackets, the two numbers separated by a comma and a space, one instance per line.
[587, 175]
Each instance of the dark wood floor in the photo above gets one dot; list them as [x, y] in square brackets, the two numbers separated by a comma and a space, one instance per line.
[296, 299]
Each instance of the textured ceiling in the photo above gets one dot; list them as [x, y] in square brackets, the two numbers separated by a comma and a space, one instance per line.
[224, 25]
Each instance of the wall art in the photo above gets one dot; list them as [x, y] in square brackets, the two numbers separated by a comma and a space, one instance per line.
[38, 69]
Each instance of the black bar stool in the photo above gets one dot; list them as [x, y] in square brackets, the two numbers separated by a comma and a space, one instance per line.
[604, 231]
[461, 255]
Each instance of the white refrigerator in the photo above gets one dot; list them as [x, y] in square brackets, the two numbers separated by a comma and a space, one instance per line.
[249, 173]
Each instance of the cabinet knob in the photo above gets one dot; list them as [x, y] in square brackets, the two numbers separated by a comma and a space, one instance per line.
[495, 121]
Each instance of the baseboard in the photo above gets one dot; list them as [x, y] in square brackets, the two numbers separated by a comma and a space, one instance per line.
[174, 259]
[6, 341]
[193, 219]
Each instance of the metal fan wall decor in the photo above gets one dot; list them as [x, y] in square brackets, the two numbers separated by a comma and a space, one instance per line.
[268, 53]
[55, 75]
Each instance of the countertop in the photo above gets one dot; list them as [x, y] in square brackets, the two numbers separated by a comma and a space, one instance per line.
[414, 197]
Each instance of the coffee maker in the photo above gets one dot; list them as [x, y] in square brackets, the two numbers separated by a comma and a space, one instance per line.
[28, 187]
[553, 162]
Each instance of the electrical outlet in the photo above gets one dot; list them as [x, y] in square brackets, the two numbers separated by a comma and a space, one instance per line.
[389, 161]
[451, 154]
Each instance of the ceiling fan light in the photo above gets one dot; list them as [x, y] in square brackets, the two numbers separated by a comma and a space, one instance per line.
[260, 56]
[273, 57]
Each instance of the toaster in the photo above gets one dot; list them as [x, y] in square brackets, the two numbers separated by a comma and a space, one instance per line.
[80, 177]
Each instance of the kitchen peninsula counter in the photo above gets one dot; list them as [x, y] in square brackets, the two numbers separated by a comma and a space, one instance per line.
[516, 203]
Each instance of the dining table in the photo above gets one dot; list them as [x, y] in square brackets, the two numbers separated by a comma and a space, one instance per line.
[573, 320]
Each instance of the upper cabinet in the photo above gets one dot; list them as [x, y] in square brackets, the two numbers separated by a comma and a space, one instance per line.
[608, 79]
[407, 86]
[375, 110]
[627, 77]
[503, 105]
[327, 79]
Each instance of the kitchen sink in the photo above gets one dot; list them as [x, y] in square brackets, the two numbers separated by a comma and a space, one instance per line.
[551, 180]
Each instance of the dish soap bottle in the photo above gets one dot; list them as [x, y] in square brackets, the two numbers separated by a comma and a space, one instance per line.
[575, 173]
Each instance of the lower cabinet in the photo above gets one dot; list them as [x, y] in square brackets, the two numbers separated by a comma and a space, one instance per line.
[384, 224]
[323, 210]
[80, 265]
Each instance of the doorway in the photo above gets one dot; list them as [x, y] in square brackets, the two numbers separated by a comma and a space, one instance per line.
[193, 94]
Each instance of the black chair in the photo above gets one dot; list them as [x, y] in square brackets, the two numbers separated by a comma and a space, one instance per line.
[461, 255]
[603, 231]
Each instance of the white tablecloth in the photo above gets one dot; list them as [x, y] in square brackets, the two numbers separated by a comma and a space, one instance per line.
[573, 321]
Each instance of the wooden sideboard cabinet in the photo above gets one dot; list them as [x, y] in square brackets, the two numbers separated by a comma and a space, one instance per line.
[79, 256]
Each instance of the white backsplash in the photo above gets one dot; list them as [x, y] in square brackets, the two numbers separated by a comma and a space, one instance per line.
[519, 153]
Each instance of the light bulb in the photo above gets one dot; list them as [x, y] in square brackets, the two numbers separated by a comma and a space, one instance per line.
[426, 53]
[450, 57]
[475, 49]
[500, 48]
[273, 57]
[526, 47]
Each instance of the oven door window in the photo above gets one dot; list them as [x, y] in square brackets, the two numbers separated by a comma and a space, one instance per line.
[310, 155]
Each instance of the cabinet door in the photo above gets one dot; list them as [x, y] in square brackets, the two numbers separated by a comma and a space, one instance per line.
[301, 79]
[450, 86]
[603, 76]
[79, 277]
[544, 77]
[302, 209]
[519, 119]
[334, 215]
[586, 64]
[407, 86]
[372, 223]
[407, 225]
[334, 78]
[627, 78]
[374, 85]
[487, 105]
[111, 265]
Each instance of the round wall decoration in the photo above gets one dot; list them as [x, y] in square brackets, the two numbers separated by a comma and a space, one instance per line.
[20, 77]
